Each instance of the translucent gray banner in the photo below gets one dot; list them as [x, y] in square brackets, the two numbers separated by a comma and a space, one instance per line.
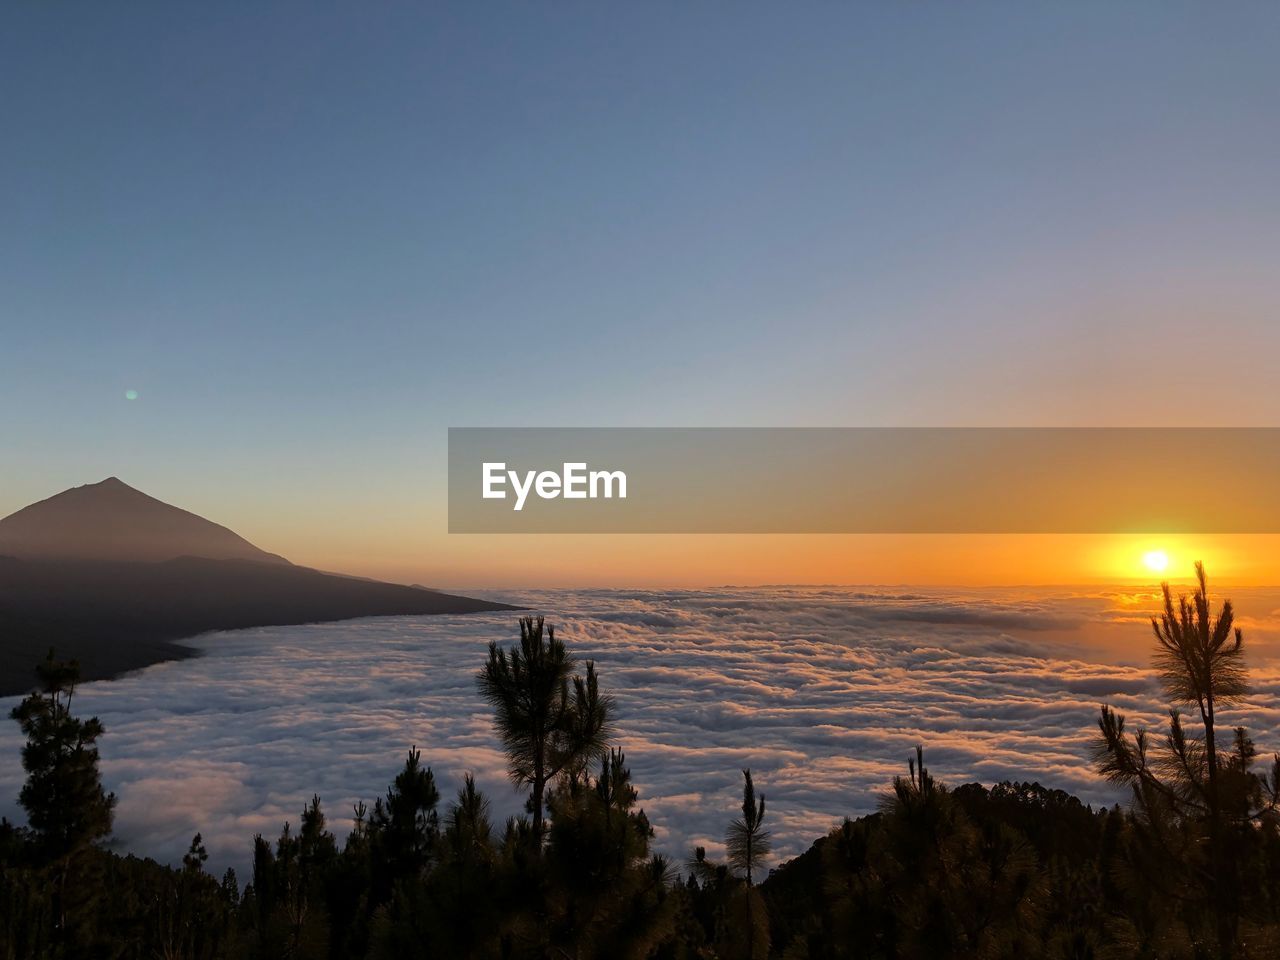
[864, 480]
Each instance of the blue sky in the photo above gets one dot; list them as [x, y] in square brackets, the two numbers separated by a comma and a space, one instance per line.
[313, 236]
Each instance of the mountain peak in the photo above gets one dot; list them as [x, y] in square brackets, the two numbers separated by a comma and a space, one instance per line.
[110, 520]
[109, 485]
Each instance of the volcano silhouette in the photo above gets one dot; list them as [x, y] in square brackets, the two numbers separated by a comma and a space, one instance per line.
[113, 521]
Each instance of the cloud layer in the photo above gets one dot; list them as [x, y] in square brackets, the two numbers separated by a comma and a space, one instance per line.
[822, 692]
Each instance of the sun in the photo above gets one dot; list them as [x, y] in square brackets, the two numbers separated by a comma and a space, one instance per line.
[1156, 561]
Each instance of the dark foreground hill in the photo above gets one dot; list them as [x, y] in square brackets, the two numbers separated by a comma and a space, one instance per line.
[115, 617]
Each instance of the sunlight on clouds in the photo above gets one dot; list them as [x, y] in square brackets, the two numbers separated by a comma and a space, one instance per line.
[823, 692]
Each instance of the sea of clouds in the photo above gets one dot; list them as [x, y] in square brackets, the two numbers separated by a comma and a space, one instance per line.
[822, 692]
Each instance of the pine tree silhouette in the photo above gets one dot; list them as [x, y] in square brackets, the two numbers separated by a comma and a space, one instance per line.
[405, 825]
[1197, 802]
[63, 796]
[551, 721]
[606, 893]
[468, 830]
[747, 842]
[68, 811]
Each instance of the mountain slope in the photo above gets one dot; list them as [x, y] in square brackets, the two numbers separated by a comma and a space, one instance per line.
[113, 521]
[116, 617]
[112, 577]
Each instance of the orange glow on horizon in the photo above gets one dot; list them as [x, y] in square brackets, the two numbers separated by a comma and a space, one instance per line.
[402, 537]
[501, 561]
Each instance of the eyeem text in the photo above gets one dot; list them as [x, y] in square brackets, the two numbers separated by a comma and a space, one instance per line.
[574, 482]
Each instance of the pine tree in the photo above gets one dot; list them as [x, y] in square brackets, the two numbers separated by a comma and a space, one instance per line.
[191, 917]
[468, 831]
[68, 811]
[954, 887]
[289, 888]
[552, 722]
[405, 825]
[66, 806]
[1197, 802]
[747, 842]
[606, 896]
[739, 917]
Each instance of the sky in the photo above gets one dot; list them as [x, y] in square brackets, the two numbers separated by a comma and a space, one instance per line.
[312, 237]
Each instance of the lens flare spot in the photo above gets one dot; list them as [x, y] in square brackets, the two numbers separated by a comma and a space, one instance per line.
[131, 394]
